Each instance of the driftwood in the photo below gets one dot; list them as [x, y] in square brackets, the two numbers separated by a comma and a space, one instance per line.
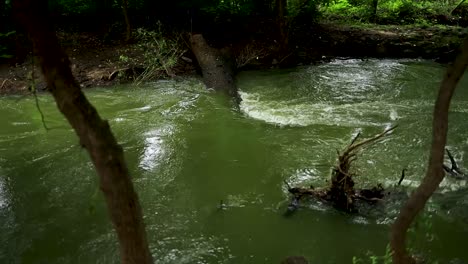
[341, 193]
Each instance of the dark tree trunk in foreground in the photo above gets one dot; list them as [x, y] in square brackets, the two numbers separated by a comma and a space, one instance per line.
[434, 173]
[218, 72]
[94, 133]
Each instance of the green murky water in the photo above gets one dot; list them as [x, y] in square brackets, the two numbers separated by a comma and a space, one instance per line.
[188, 149]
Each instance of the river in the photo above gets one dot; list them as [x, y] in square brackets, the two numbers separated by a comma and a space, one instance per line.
[189, 150]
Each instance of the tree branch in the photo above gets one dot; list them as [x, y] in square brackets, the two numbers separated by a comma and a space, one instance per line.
[434, 173]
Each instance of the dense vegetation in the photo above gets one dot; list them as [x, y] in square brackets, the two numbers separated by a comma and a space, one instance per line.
[158, 34]
[223, 22]
[187, 13]
[422, 12]
[207, 14]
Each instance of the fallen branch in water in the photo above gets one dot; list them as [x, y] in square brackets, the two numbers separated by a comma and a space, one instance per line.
[341, 192]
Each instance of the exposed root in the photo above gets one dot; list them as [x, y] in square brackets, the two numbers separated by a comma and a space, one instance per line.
[341, 193]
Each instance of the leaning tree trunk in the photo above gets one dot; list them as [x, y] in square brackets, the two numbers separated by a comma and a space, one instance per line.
[218, 72]
[435, 173]
[94, 133]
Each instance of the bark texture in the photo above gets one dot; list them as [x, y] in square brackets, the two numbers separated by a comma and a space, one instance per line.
[434, 173]
[128, 31]
[375, 4]
[281, 7]
[94, 133]
[218, 72]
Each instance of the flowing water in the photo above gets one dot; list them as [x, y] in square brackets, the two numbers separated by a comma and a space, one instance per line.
[189, 150]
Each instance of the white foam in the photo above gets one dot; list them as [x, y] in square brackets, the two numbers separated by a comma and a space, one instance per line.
[447, 185]
[3, 194]
[286, 113]
[154, 148]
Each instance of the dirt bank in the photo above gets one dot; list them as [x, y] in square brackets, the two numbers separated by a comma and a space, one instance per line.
[94, 61]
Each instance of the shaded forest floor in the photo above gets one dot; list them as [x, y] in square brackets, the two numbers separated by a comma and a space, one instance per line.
[95, 62]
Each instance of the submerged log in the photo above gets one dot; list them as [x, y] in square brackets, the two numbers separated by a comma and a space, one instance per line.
[218, 72]
[341, 193]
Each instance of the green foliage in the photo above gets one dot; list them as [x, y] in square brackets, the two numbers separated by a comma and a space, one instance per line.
[374, 259]
[305, 10]
[71, 6]
[229, 8]
[418, 236]
[392, 11]
[4, 50]
[160, 54]
[421, 233]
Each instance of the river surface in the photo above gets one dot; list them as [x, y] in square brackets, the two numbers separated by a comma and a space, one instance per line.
[189, 150]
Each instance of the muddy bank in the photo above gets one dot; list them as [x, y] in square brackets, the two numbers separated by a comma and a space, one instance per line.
[438, 43]
[94, 62]
[99, 63]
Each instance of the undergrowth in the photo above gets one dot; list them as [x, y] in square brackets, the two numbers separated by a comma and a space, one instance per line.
[400, 12]
[419, 236]
[154, 53]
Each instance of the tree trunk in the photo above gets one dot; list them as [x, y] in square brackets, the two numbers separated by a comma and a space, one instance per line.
[128, 32]
[281, 12]
[434, 173]
[94, 133]
[218, 72]
[375, 4]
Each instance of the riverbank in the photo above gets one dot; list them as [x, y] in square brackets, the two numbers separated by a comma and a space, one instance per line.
[99, 63]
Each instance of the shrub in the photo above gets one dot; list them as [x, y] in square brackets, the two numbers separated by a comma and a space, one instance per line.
[155, 53]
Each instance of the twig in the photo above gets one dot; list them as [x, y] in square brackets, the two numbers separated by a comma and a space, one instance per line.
[285, 57]
[454, 170]
[401, 177]
[355, 138]
[40, 111]
[3, 83]
[34, 91]
[452, 161]
[377, 137]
